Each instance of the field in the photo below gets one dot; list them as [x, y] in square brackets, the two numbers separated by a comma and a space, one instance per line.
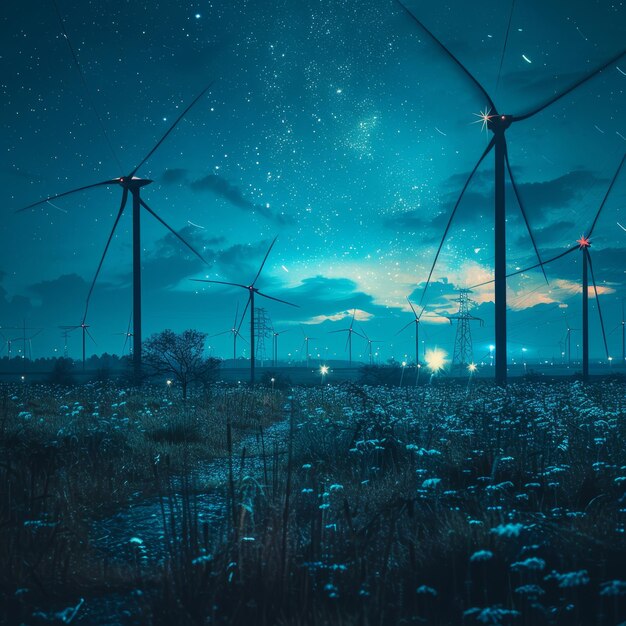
[352, 505]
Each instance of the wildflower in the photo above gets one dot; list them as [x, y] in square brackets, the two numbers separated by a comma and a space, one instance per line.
[531, 563]
[508, 530]
[491, 614]
[613, 588]
[481, 555]
[570, 579]
[532, 592]
[431, 483]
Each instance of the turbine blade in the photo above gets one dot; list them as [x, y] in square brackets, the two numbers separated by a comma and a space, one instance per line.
[264, 259]
[236, 314]
[218, 282]
[531, 267]
[177, 235]
[90, 336]
[595, 289]
[277, 299]
[226, 332]
[606, 196]
[241, 336]
[106, 248]
[413, 309]
[171, 128]
[571, 88]
[405, 326]
[341, 330]
[456, 206]
[447, 51]
[347, 342]
[353, 316]
[521, 206]
[243, 315]
[125, 344]
[67, 193]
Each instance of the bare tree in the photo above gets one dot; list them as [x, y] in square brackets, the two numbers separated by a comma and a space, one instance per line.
[180, 356]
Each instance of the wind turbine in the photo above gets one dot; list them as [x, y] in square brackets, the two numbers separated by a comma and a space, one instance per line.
[235, 331]
[127, 335]
[568, 342]
[252, 290]
[415, 321]
[350, 330]
[369, 345]
[582, 245]
[498, 124]
[275, 336]
[85, 332]
[130, 184]
[305, 343]
[7, 342]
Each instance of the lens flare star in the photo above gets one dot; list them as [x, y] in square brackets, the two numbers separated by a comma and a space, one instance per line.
[583, 242]
[483, 118]
[435, 359]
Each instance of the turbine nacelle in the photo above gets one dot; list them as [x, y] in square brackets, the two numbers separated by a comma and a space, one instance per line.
[498, 123]
[133, 182]
[584, 242]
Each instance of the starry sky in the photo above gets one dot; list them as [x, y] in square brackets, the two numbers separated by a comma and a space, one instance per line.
[337, 126]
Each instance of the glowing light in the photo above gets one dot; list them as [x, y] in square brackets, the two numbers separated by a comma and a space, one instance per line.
[526, 58]
[484, 117]
[472, 367]
[435, 359]
[168, 383]
[583, 242]
[324, 370]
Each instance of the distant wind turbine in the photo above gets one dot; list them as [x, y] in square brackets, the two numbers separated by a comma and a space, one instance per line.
[127, 335]
[252, 290]
[235, 332]
[131, 184]
[275, 336]
[498, 124]
[370, 343]
[85, 332]
[350, 330]
[305, 344]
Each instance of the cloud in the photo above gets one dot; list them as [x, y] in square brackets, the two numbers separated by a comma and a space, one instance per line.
[221, 187]
[359, 316]
[174, 176]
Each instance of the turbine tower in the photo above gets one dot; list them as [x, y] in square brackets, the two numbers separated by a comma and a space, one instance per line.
[132, 185]
[498, 124]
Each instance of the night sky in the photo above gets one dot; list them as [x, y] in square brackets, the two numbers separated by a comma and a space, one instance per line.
[336, 125]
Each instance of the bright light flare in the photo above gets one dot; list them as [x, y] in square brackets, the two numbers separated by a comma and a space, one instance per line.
[583, 242]
[483, 118]
[472, 367]
[435, 359]
[324, 370]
